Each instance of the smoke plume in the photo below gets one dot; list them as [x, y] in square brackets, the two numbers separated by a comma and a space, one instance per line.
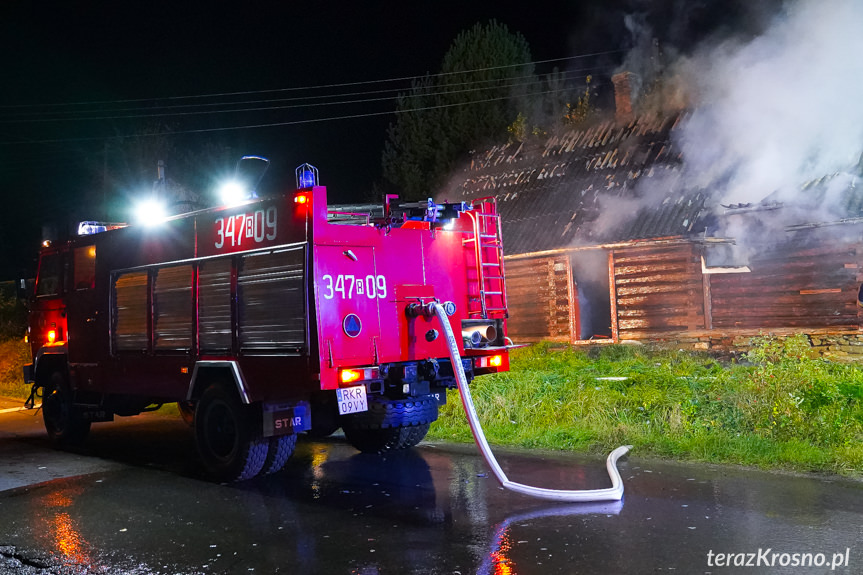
[779, 110]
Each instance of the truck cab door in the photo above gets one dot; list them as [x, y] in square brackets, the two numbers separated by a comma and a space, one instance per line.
[47, 318]
[81, 307]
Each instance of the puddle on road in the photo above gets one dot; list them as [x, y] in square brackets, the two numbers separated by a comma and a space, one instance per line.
[435, 509]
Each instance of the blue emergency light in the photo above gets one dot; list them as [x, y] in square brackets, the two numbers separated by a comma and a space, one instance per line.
[307, 176]
[90, 228]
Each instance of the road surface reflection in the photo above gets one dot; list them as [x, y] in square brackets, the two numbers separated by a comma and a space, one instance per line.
[430, 510]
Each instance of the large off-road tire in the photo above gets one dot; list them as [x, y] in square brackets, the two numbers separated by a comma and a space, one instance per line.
[228, 436]
[390, 424]
[281, 449]
[383, 440]
[63, 421]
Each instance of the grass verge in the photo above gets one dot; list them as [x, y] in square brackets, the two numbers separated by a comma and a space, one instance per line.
[779, 409]
[14, 353]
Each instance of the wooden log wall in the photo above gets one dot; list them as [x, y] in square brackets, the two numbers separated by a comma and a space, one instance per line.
[538, 298]
[809, 285]
[661, 292]
[659, 289]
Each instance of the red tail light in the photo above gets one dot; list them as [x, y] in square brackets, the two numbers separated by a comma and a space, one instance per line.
[492, 363]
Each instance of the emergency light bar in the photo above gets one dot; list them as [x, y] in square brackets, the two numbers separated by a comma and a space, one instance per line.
[89, 228]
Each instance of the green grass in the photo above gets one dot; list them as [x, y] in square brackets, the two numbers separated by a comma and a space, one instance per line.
[14, 353]
[780, 409]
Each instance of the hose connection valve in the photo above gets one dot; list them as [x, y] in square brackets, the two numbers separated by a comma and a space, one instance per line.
[427, 310]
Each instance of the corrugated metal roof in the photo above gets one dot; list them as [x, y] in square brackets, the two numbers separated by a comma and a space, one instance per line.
[597, 184]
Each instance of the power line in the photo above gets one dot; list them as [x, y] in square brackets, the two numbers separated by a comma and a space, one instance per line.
[318, 87]
[269, 125]
[500, 85]
[566, 76]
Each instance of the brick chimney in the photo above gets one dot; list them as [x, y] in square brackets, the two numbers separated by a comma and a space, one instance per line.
[623, 96]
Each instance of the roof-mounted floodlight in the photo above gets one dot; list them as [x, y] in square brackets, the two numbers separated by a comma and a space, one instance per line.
[307, 176]
[243, 186]
[233, 193]
[151, 212]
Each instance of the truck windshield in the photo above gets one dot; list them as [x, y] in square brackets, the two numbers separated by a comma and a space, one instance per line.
[48, 282]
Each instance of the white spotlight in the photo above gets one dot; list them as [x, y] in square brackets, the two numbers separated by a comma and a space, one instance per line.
[233, 193]
[150, 212]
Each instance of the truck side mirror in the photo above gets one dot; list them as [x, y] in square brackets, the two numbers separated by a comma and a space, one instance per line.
[23, 291]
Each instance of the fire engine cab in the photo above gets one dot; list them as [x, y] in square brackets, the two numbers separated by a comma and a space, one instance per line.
[269, 318]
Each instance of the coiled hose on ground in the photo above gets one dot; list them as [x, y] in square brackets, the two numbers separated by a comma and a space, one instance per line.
[613, 493]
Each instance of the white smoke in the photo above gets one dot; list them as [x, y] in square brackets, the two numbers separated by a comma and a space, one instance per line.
[780, 110]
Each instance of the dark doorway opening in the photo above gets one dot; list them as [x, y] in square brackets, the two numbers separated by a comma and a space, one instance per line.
[590, 282]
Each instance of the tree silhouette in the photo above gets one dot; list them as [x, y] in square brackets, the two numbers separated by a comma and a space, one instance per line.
[482, 86]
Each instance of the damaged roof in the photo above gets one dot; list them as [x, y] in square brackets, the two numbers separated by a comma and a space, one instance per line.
[604, 183]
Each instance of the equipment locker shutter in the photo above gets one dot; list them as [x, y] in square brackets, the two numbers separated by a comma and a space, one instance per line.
[172, 309]
[271, 301]
[214, 305]
[130, 312]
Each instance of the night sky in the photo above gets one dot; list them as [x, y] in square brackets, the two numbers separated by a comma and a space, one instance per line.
[113, 60]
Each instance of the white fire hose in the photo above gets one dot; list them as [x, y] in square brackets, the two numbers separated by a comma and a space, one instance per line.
[613, 493]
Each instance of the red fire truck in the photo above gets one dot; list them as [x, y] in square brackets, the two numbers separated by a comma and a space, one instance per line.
[266, 319]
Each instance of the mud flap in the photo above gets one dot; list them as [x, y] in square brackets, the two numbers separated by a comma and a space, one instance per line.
[96, 414]
[286, 418]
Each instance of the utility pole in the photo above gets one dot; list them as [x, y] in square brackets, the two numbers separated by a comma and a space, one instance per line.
[105, 181]
[162, 184]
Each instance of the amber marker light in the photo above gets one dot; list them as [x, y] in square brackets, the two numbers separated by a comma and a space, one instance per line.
[350, 375]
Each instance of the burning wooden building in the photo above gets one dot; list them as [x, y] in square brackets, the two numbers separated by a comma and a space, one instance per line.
[605, 241]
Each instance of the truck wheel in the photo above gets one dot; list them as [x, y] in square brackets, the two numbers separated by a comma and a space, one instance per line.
[281, 449]
[63, 421]
[229, 442]
[383, 440]
[390, 424]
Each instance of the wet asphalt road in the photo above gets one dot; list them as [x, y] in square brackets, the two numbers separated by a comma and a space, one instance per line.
[133, 501]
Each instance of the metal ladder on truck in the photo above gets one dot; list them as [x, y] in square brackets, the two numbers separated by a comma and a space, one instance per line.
[487, 284]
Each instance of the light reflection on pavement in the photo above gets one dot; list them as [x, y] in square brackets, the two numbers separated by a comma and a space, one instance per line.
[434, 509]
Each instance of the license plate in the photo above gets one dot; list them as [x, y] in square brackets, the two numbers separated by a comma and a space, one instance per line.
[352, 399]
